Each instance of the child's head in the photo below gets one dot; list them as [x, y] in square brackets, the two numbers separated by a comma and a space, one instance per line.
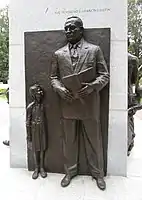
[36, 92]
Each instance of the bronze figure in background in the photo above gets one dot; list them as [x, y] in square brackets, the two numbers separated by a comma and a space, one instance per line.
[132, 101]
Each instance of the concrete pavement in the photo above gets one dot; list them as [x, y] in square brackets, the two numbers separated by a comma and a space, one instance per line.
[18, 184]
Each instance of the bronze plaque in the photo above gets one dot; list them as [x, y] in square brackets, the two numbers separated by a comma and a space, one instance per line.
[39, 48]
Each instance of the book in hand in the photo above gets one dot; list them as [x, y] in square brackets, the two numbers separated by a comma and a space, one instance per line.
[87, 75]
[74, 81]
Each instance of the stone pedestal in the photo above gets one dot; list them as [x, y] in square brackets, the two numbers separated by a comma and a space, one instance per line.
[45, 15]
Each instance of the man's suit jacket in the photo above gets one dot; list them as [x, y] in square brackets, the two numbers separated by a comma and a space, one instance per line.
[132, 77]
[90, 56]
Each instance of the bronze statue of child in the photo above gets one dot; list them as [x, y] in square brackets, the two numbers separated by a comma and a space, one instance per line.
[36, 134]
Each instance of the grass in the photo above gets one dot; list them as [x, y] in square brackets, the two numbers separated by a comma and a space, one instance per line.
[2, 94]
[2, 90]
[2, 97]
[140, 81]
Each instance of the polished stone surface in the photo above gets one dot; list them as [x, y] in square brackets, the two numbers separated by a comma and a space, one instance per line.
[44, 15]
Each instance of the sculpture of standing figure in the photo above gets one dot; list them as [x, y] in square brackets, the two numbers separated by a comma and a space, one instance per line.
[82, 106]
[36, 134]
[132, 102]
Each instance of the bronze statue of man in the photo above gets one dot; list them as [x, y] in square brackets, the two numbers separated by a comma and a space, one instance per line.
[75, 57]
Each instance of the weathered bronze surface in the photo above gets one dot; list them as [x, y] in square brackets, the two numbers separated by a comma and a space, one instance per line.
[132, 101]
[36, 132]
[79, 72]
[39, 49]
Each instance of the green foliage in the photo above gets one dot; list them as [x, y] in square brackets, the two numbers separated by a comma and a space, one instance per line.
[4, 44]
[135, 27]
[2, 90]
[139, 2]
[2, 93]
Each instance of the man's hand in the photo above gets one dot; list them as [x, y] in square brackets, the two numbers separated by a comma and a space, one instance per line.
[85, 91]
[65, 94]
[132, 111]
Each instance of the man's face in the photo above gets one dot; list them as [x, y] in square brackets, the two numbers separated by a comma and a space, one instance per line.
[73, 31]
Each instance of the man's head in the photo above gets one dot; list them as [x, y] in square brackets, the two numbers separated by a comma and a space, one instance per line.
[74, 29]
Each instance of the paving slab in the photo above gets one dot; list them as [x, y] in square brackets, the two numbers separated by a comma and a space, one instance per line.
[18, 184]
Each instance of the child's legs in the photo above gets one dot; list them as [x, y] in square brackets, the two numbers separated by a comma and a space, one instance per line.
[42, 159]
[37, 159]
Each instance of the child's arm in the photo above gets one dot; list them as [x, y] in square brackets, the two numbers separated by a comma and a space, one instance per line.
[28, 121]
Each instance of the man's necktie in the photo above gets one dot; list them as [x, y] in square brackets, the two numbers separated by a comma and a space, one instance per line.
[74, 51]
